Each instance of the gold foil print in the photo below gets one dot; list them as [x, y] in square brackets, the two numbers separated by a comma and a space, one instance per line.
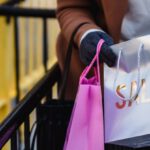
[132, 89]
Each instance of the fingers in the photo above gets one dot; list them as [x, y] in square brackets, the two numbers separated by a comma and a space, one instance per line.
[108, 56]
[88, 48]
[108, 40]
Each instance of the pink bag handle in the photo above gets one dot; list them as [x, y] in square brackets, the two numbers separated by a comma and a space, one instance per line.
[96, 58]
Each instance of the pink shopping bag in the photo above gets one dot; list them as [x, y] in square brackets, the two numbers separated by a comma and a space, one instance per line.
[85, 130]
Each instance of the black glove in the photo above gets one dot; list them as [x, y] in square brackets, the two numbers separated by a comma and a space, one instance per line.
[88, 48]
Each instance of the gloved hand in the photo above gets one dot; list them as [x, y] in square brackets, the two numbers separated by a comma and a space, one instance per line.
[88, 46]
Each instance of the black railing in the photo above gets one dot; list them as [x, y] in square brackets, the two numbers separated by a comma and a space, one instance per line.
[27, 104]
[27, 12]
[9, 129]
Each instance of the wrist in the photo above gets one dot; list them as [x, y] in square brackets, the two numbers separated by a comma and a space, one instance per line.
[89, 31]
[82, 30]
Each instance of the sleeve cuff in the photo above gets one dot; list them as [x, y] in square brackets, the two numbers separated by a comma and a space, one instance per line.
[89, 31]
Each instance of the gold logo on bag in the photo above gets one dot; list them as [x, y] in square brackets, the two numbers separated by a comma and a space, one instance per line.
[123, 103]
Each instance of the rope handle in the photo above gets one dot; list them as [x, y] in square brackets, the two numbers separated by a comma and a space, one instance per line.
[139, 82]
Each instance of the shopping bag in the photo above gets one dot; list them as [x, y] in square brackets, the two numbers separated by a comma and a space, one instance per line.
[85, 130]
[127, 94]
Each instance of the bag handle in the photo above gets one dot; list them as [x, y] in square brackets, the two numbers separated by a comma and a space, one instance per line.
[139, 82]
[95, 59]
[62, 89]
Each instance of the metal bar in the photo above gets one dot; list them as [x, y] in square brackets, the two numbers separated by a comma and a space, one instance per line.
[49, 95]
[45, 45]
[16, 44]
[11, 2]
[14, 145]
[27, 12]
[27, 104]
[38, 143]
[27, 133]
[45, 53]
[17, 67]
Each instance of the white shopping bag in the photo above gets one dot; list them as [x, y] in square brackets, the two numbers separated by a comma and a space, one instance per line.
[127, 94]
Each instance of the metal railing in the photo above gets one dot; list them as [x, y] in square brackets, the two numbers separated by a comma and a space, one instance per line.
[27, 12]
[20, 115]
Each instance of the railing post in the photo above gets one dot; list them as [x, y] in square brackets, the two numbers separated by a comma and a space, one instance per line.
[14, 143]
[16, 137]
[45, 52]
[45, 45]
[27, 134]
[16, 44]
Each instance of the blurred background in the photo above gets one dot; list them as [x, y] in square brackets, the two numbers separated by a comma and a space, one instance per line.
[30, 41]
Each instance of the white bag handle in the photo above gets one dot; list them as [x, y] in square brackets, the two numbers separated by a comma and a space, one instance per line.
[139, 82]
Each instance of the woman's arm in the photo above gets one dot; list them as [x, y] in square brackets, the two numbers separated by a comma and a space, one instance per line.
[71, 13]
[114, 11]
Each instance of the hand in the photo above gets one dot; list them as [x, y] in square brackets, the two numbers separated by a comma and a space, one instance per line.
[88, 48]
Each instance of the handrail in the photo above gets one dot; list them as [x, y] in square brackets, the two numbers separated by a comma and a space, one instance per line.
[27, 12]
[27, 104]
